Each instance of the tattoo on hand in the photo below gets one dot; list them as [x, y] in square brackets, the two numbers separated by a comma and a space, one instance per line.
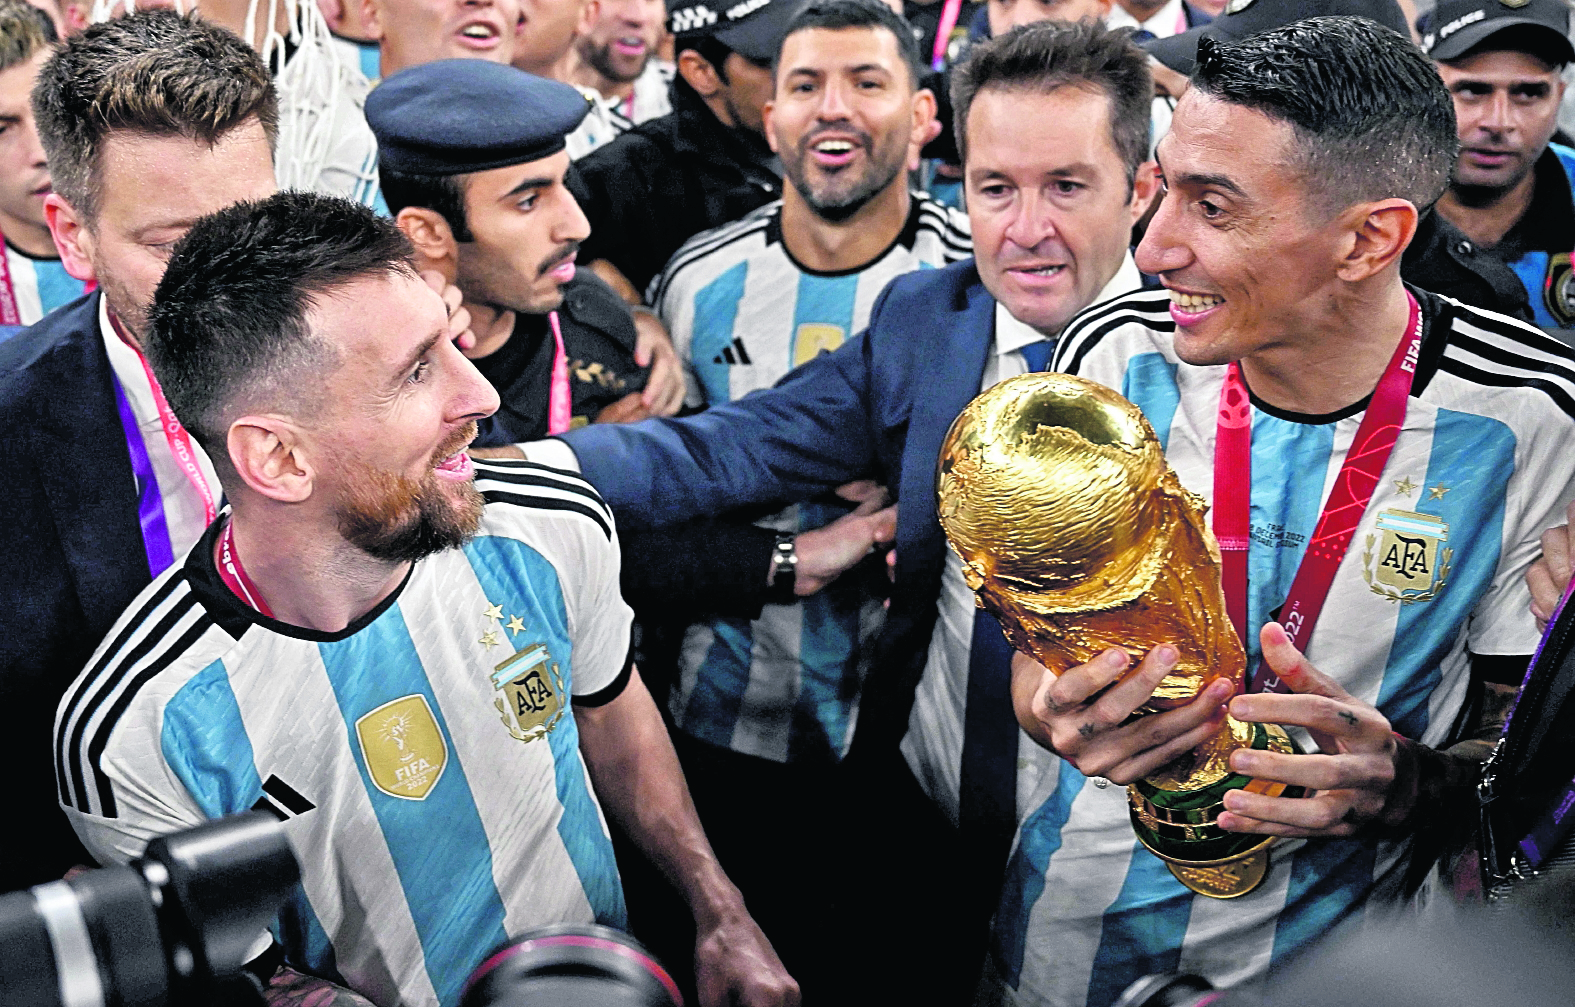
[1087, 730]
[1348, 717]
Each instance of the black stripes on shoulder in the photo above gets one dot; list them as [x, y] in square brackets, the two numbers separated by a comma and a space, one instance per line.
[708, 243]
[541, 487]
[1148, 308]
[936, 218]
[80, 744]
[1502, 352]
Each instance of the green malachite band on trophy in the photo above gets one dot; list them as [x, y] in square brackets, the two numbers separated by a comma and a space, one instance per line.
[1178, 825]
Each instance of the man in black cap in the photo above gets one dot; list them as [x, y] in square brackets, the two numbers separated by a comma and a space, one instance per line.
[704, 164]
[1510, 198]
[466, 151]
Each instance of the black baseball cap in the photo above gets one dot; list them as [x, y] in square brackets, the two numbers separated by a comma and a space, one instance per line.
[1455, 27]
[1248, 17]
[752, 28]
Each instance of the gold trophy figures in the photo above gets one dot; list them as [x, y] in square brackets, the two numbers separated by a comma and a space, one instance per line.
[1076, 534]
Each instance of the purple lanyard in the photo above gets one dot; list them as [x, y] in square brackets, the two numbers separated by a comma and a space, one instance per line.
[150, 502]
[1544, 837]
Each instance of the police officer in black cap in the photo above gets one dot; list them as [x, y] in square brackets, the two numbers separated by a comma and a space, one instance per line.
[464, 148]
[1510, 200]
[702, 165]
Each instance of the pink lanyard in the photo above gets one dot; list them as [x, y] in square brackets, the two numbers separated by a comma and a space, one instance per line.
[559, 401]
[1348, 500]
[943, 34]
[10, 313]
[178, 439]
[234, 575]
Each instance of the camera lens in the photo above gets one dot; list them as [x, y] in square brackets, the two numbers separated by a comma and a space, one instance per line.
[571, 966]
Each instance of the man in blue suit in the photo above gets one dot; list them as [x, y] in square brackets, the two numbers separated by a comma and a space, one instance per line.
[1053, 126]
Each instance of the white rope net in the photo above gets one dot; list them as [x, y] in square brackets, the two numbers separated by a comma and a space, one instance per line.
[324, 142]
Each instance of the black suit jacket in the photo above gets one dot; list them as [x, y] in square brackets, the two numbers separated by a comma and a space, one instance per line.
[71, 560]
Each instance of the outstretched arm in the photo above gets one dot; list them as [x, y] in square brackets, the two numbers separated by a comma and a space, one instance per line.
[637, 777]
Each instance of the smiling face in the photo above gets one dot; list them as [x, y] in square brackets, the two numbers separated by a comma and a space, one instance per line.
[623, 38]
[1506, 109]
[1236, 239]
[1048, 200]
[413, 32]
[844, 117]
[398, 414]
[24, 176]
[526, 228]
[150, 191]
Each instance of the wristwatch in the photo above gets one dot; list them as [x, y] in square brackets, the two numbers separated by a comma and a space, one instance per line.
[784, 570]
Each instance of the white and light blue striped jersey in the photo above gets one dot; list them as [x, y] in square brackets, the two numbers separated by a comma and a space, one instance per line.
[424, 761]
[1435, 572]
[40, 284]
[743, 313]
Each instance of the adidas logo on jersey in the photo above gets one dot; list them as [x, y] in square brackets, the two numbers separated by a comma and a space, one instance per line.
[690, 19]
[727, 356]
[287, 801]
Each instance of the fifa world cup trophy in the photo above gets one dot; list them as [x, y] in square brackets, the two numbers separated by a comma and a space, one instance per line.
[1076, 534]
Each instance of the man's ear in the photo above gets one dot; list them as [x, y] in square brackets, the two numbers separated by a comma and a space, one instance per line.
[433, 239]
[590, 13]
[698, 72]
[1145, 184]
[926, 126]
[266, 453]
[765, 124]
[1375, 236]
[373, 18]
[72, 237]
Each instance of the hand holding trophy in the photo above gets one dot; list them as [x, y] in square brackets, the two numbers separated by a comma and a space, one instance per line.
[1076, 534]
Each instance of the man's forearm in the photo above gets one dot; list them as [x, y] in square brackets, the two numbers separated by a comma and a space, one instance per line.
[637, 777]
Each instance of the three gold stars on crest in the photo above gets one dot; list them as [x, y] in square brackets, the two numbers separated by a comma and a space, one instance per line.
[494, 613]
[1405, 487]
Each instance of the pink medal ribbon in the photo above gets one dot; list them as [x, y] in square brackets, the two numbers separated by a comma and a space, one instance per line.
[228, 562]
[559, 401]
[1348, 500]
[10, 311]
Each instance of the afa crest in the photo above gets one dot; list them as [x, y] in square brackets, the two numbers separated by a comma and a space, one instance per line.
[403, 747]
[529, 693]
[1406, 560]
[814, 338]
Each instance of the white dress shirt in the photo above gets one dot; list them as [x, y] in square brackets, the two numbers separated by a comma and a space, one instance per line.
[1169, 20]
[933, 745]
[183, 506]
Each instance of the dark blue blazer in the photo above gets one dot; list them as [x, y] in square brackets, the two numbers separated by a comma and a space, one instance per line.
[878, 407]
[71, 560]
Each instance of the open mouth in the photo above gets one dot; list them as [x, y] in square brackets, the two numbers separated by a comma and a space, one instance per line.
[629, 46]
[1189, 309]
[479, 35]
[834, 152]
[457, 466]
[1035, 275]
[43, 190]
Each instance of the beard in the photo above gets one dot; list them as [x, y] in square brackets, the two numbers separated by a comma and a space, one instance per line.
[128, 309]
[841, 195]
[397, 519]
[601, 59]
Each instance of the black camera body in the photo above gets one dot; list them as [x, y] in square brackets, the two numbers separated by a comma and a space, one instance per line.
[170, 929]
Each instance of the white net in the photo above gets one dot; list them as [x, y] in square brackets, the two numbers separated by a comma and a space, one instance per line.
[324, 142]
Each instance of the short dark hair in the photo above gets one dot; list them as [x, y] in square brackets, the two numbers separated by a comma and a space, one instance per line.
[1370, 116]
[154, 73]
[442, 194]
[24, 31]
[228, 324]
[1049, 55]
[837, 14]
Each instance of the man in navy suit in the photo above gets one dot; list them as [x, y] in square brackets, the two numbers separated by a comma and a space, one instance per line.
[100, 500]
[1053, 127]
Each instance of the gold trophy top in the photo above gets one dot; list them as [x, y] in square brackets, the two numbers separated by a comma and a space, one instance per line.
[1075, 532]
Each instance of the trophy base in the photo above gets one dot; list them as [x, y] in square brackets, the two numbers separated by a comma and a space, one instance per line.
[1178, 826]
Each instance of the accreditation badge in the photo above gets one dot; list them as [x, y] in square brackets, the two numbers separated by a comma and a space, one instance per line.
[529, 693]
[1558, 290]
[403, 748]
[1406, 559]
